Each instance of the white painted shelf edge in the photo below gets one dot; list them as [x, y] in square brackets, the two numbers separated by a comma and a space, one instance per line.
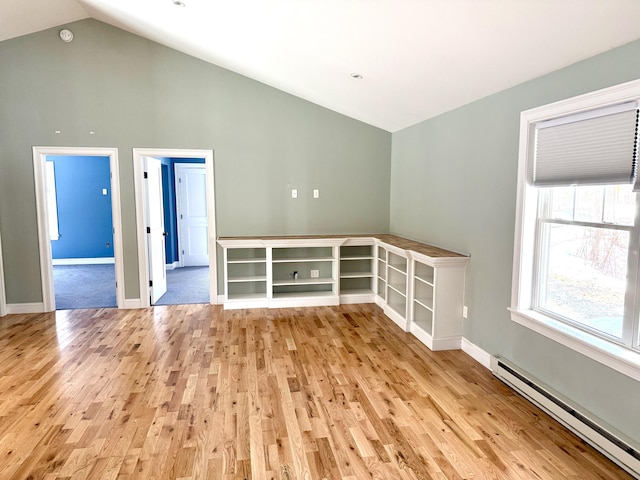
[356, 275]
[304, 281]
[424, 280]
[424, 302]
[247, 279]
[302, 259]
[247, 260]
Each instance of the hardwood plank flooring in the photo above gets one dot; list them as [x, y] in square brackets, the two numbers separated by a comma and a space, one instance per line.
[195, 392]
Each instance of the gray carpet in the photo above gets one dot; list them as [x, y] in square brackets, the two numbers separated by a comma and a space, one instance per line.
[94, 286]
[84, 286]
[186, 285]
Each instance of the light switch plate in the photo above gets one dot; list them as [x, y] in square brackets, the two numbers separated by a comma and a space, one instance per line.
[294, 193]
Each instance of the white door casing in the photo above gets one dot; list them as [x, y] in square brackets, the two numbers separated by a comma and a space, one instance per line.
[3, 298]
[191, 205]
[155, 229]
[143, 258]
[44, 240]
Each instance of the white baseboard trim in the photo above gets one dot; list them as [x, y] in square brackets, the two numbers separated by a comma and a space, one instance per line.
[475, 352]
[220, 300]
[17, 308]
[83, 261]
[132, 303]
[173, 266]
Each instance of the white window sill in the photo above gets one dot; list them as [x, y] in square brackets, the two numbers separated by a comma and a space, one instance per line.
[615, 356]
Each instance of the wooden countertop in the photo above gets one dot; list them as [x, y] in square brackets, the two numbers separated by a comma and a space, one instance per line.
[394, 240]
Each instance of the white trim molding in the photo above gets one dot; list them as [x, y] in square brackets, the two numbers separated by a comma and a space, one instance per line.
[3, 297]
[44, 242]
[132, 304]
[475, 352]
[84, 261]
[143, 254]
[617, 357]
[18, 308]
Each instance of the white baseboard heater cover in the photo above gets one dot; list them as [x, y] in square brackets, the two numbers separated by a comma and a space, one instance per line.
[603, 438]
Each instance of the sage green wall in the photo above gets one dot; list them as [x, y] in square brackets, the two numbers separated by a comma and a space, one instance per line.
[135, 93]
[453, 184]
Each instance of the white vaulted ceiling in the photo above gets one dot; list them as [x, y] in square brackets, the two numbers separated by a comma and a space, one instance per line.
[418, 58]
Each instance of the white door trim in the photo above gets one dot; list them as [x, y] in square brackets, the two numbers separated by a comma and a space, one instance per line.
[143, 255]
[3, 298]
[44, 242]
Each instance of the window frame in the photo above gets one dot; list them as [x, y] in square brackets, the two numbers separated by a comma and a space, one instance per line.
[623, 358]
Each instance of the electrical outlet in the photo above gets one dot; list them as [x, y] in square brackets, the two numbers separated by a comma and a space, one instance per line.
[294, 193]
[316, 193]
[315, 273]
[465, 311]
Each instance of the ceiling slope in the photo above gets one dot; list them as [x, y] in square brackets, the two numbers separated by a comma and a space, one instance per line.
[417, 58]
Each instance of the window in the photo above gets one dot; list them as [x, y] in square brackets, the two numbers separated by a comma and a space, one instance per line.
[52, 200]
[584, 258]
[577, 237]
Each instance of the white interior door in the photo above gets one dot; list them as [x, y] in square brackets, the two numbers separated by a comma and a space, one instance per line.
[155, 230]
[191, 181]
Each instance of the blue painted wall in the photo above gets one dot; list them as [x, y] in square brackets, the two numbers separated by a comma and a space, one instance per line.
[170, 210]
[84, 213]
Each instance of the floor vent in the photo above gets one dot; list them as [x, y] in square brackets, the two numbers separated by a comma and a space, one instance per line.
[603, 438]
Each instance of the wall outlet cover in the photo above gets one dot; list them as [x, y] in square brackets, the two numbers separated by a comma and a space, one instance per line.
[315, 273]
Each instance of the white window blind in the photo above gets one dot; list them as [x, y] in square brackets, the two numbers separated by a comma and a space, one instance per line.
[589, 148]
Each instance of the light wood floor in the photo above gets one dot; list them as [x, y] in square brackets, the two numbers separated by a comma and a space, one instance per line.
[194, 392]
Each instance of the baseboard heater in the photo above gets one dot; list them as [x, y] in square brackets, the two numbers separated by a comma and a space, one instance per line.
[603, 438]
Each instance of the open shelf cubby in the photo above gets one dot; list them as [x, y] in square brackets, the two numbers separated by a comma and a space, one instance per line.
[423, 317]
[397, 262]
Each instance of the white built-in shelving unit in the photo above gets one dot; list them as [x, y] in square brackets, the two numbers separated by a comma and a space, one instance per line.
[357, 271]
[423, 294]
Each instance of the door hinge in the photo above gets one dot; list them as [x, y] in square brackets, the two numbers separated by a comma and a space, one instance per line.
[179, 179]
[148, 229]
[146, 175]
[183, 252]
[151, 283]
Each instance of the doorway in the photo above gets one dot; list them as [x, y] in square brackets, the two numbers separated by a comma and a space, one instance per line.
[81, 230]
[47, 227]
[158, 249]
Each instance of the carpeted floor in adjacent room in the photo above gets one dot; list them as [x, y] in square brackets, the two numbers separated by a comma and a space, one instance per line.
[94, 286]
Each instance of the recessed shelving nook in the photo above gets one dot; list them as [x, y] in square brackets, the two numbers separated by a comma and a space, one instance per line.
[419, 287]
